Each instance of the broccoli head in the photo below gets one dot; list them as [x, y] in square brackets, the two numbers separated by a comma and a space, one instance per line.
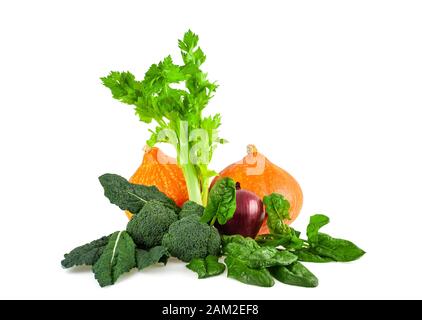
[191, 207]
[148, 227]
[189, 238]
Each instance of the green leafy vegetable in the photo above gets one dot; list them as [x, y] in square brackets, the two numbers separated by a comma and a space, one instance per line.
[309, 255]
[207, 267]
[318, 248]
[86, 254]
[132, 197]
[337, 249]
[267, 257]
[288, 240]
[248, 243]
[240, 250]
[295, 274]
[190, 207]
[273, 240]
[326, 246]
[118, 258]
[316, 222]
[238, 269]
[174, 97]
[146, 258]
[259, 257]
[148, 227]
[295, 241]
[248, 262]
[277, 209]
[222, 202]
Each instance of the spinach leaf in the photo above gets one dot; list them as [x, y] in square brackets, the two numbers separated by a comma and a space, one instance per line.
[277, 209]
[237, 249]
[268, 257]
[146, 258]
[118, 257]
[295, 242]
[132, 197]
[189, 208]
[295, 274]
[273, 240]
[316, 222]
[207, 267]
[319, 248]
[309, 255]
[239, 270]
[289, 240]
[327, 247]
[255, 256]
[222, 202]
[248, 243]
[337, 249]
[86, 255]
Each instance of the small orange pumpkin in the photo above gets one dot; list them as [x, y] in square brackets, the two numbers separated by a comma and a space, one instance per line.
[258, 174]
[158, 169]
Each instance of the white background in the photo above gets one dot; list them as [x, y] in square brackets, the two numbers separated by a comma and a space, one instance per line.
[328, 90]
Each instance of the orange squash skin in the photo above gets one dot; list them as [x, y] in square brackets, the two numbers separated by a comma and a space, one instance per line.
[162, 171]
[258, 174]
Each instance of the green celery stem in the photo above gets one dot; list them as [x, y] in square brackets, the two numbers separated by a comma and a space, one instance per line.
[205, 186]
[192, 183]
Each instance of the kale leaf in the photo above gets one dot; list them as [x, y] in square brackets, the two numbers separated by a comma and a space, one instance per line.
[86, 254]
[118, 258]
[146, 258]
[132, 197]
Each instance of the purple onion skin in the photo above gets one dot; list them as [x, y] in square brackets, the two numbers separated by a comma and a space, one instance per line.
[248, 217]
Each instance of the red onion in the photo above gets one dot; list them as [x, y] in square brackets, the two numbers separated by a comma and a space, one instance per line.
[248, 217]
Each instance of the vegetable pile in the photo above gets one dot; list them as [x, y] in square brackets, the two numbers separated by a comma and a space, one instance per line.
[160, 229]
[245, 230]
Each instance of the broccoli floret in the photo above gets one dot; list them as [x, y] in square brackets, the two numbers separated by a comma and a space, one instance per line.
[191, 207]
[148, 227]
[189, 238]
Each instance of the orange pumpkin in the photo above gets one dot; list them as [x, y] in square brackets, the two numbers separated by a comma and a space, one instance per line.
[258, 174]
[158, 169]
